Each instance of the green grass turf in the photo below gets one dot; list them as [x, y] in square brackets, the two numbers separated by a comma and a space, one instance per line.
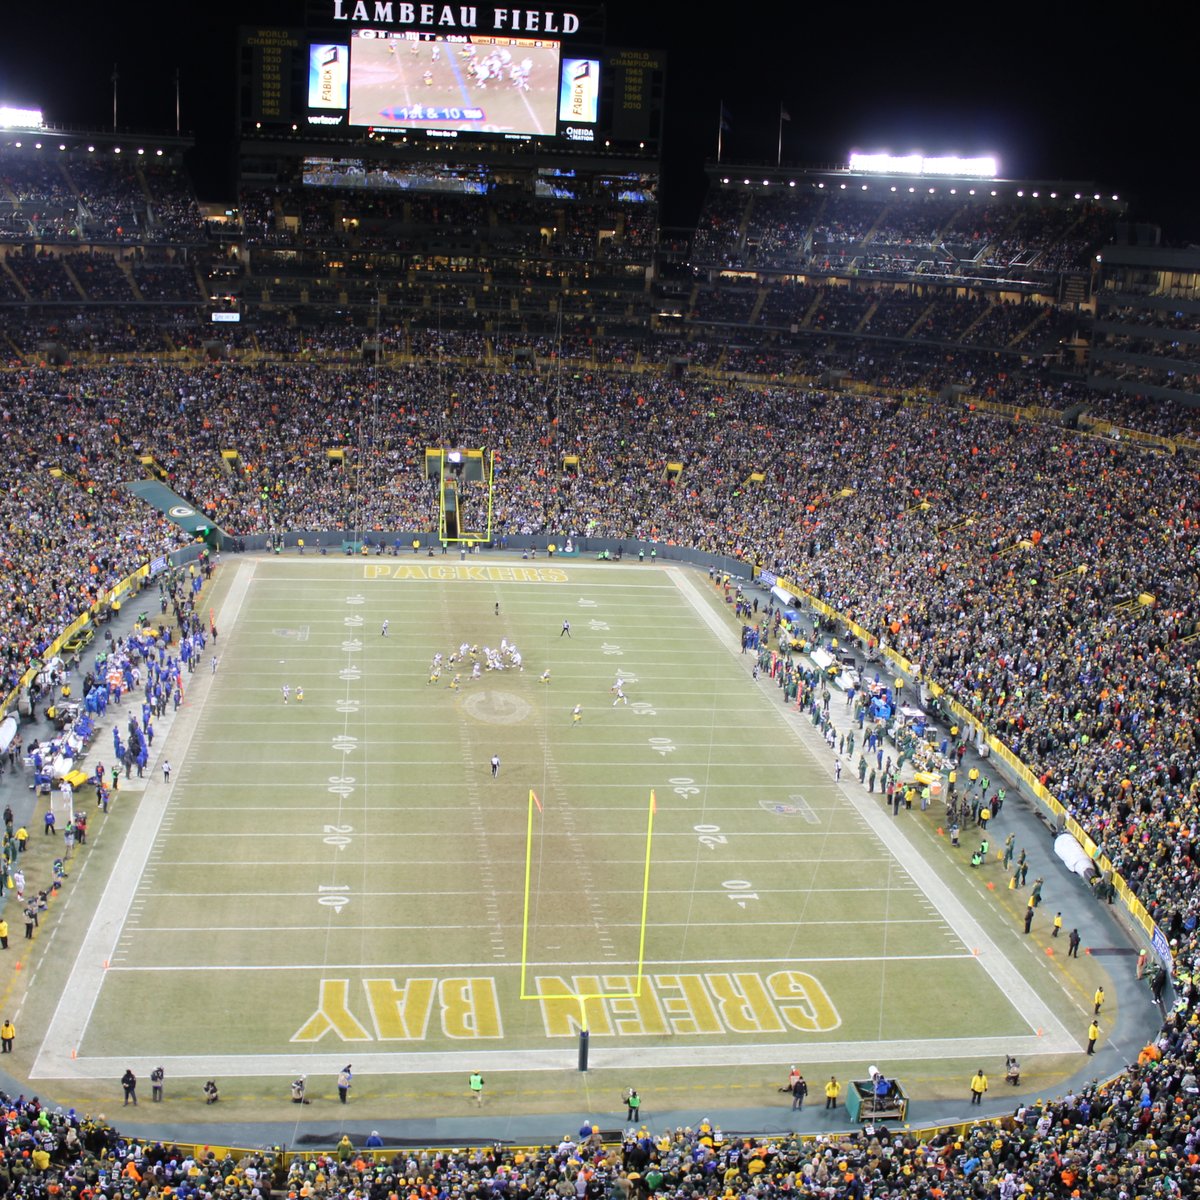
[360, 837]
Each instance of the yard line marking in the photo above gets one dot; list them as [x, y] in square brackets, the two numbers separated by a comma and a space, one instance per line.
[73, 1012]
[414, 863]
[600, 967]
[677, 806]
[604, 763]
[409, 833]
[739, 924]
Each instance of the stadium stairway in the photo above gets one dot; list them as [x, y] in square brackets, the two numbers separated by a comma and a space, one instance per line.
[11, 275]
[1025, 331]
[865, 320]
[925, 314]
[79, 288]
[133, 287]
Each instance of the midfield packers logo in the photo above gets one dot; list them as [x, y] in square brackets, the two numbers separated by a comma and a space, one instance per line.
[458, 571]
[468, 1008]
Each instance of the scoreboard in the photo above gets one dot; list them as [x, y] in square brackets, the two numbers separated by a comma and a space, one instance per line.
[442, 71]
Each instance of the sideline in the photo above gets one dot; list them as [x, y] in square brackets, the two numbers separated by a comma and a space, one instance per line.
[65, 1033]
[1030, 1007]
[440, 1062]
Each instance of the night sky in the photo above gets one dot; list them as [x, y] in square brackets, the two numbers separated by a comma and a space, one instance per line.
[1056, 91]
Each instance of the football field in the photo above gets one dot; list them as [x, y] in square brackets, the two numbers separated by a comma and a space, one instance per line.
[346, 877]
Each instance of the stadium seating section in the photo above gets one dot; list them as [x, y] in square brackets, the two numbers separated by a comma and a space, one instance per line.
[870, 348]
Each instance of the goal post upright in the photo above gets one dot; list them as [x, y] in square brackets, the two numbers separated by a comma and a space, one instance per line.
[650, 811]
[582, 998]
[533, 800]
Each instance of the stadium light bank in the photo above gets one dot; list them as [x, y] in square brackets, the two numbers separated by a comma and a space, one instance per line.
[983, 167]
[12, 117]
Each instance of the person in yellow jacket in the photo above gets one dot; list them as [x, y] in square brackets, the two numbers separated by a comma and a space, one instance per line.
[832, 1088]
[8, 1031]
[3, 934]
[979, 1085]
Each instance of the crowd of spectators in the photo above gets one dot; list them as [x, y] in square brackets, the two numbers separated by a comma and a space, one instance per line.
[1162, 417]
[168, 281]
[827, 230]
[43, 201]
[99, 275]
[511, 259]
[1138, 1136]
[718, 233]
[41, 275]
[101, 331]
[872, 312]
[174, 215]
[112, 204]
[956, 538]
[53, 196]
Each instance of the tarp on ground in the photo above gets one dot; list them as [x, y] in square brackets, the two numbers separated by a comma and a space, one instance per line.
[172, 506]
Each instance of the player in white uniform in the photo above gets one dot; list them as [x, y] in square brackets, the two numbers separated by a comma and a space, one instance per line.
[621, 698]
[518, 74]
[287, 691]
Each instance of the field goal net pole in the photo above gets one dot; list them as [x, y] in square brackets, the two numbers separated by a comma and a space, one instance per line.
[581, 998]
[450, 518]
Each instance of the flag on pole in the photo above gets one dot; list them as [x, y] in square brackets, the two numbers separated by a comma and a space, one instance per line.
[533, 797]
[784, 115]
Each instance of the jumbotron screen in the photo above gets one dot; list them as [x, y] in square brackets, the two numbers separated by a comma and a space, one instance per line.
[405, 80]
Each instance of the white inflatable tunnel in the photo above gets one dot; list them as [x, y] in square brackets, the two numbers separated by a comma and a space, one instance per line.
[1074, 855]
